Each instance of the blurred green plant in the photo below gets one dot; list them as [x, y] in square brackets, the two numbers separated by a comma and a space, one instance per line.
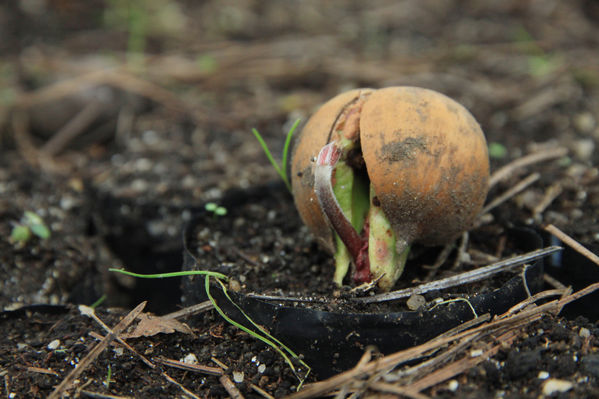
[141, 18]
[540, 63]
[206, 63]
[281, 168]
[31, 224]
[215, 209]
[497, 150]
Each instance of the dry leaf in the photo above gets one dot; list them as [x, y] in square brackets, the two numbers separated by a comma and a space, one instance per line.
[151, 325]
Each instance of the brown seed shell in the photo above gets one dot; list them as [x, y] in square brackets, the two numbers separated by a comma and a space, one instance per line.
[427, 160]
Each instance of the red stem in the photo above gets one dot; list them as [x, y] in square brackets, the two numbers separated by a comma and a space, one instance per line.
[323, 173]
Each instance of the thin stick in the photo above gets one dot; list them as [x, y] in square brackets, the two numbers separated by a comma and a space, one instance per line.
[521, 185]
[397, 390]
[98, 395]
[575, 245]
[550, 195]
[552, 281]
[42, 371]
[430, 364]
[87, 311]
[73, 128]
[95, 352]
[461, 250]
[190, 310]
[441, 258]
[181, 387]
[230, 387]
[261, 391]
[462, 278]
[536, 157]
[197, 368]
[458, 367]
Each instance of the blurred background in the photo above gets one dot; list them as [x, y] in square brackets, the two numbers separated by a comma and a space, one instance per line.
[121, 114]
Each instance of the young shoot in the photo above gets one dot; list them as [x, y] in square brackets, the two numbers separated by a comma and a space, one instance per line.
[31, 224]
[280, 168]
[256, 331]
[216, 209]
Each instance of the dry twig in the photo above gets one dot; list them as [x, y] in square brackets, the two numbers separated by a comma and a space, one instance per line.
[462, 278]
[197, 368]
[530, 159]
[173, 381]
[230, 387]
[87, 311]
[504, 327]
[575, 245]
[96, 350]
[521, 185]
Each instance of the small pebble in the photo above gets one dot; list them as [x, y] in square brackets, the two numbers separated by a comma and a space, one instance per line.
[234, 285]
[54, 344]
[554, 385]
[584, 148]
[543, 375]
[190, 358]
[416, 302]
[262, 368]
[238, 376]
[453, 385]
[584, 122]
[476, 352]
[584, 332]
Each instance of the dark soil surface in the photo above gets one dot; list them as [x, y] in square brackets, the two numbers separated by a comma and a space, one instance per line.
[117, 125]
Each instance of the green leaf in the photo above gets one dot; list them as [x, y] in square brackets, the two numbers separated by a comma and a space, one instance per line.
[41, 231]
[20, 234]
[281, 168]
[220, 211]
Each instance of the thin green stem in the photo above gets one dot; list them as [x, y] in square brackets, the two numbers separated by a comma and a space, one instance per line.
[267, 338]
[98, 302]
[173, 274]
[286, 147]
[281, 168]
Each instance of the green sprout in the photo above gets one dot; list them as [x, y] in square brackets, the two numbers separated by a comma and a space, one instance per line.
[281, 168]
[98, 302]
[255, 330]
[31, 224]
[108, 377]
[216, 209]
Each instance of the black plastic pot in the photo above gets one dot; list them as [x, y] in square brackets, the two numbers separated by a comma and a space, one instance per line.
[577, 271]
[332, 342]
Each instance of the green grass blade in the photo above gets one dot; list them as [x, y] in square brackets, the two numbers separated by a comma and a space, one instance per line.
[286, 152]
[244, 328]
[173, 274]
[267, 152]
[280, 169]
[98, 302]
[266, 338]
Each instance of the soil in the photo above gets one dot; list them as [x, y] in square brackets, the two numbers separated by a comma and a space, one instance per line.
[262, 243]
[118, 150]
